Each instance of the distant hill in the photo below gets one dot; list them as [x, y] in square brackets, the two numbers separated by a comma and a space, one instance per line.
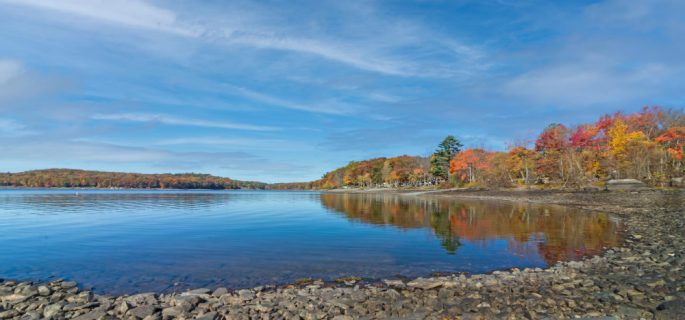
[71, 178]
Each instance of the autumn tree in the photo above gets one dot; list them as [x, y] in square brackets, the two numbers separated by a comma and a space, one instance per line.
[469, 164]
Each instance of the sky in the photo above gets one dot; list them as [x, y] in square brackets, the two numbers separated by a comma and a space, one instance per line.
[281, 91]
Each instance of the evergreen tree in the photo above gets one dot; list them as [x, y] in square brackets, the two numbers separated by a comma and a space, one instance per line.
[440, 161]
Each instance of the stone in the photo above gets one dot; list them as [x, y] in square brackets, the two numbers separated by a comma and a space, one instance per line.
[671, 310]
[31, 315]
[92, 315]
[630, 312]
[51, 310]
[172, 312]
[425, 284]
[68, 284]
[219, 292]
[200, 291]
[625, 184]
[143, 311]
[395, 283]
[44, 291]
[208, 316]
[124, 307]
[246, 295]
[9, 314]
[155, 316]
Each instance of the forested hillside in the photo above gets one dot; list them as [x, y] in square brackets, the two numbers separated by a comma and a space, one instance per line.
[68, 178]
[648, 145]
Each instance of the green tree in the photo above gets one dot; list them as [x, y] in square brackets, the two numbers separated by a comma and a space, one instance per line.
[440, 161]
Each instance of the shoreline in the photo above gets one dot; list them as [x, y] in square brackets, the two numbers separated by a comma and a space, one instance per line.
[644, 278]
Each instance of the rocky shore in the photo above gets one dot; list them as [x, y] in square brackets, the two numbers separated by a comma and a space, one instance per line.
[644, 279]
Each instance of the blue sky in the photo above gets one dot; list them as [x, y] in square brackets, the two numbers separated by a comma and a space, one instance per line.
[286, 90]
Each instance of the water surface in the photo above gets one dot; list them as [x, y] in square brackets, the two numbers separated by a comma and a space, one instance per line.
[136, 241]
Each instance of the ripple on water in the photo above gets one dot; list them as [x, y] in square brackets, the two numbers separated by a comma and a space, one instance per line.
[132, 241]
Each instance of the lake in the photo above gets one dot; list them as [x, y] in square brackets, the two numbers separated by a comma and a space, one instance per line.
[139, 241]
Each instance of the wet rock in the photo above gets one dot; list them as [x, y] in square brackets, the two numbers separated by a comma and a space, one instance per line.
[395, 283]
[425, 283]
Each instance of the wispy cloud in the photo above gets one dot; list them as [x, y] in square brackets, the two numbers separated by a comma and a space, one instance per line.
[325, 107]
[133, 13]
[375, 51]
[588, 84]
[12, 128]
[171, 120]
[221, 141]
[17, 83]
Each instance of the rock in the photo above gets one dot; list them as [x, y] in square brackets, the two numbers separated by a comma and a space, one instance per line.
[625, 184]
[143, 311]
[15, 298]
[246, 295]
[630, 312]
[200, 291]
[395, 283]
[44, 291]
[208, 316]
[51, 310]
[425, 284]
[68, 284]
[219, 292]
[9, 314]
[343, 317]
[93, 315]
[31, 315]
[155, 316]
[172, 312]
[124, 307]
[671, 310]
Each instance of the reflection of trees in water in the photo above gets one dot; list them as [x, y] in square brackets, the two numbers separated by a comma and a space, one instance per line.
[556, 233]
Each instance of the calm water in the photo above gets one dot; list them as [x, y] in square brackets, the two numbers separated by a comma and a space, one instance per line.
[134, 241]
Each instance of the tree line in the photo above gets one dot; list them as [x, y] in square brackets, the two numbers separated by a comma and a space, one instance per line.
[648, 145]
[69, 178]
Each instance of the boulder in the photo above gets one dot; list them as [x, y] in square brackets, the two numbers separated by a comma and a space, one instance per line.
[625, 184]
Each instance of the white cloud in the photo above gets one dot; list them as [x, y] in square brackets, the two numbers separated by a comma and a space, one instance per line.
[375, 50]
[330, 108]
[12, 128]
[220, 141]
[586, 84]
[171, 120]
[18, 84]
[133, 13]
[9, 69]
